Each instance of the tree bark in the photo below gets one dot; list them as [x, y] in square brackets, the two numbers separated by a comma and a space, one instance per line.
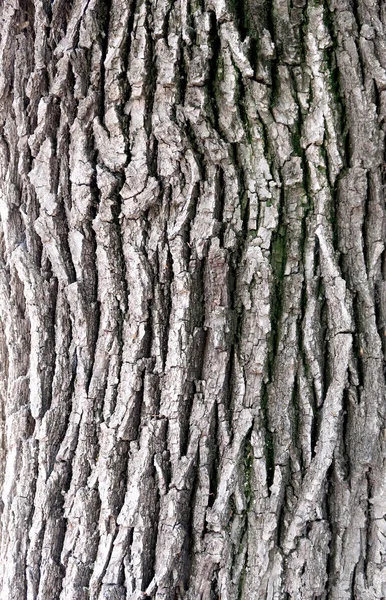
[192, 299]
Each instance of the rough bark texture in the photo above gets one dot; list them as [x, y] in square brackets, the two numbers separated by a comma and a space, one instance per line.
[192, 299]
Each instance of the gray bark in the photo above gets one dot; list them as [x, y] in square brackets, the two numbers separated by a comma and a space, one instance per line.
[192, 299]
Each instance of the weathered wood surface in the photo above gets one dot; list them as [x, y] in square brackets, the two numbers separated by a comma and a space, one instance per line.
[192, 299]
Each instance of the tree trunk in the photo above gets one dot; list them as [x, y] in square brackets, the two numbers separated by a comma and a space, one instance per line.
[192, 299]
